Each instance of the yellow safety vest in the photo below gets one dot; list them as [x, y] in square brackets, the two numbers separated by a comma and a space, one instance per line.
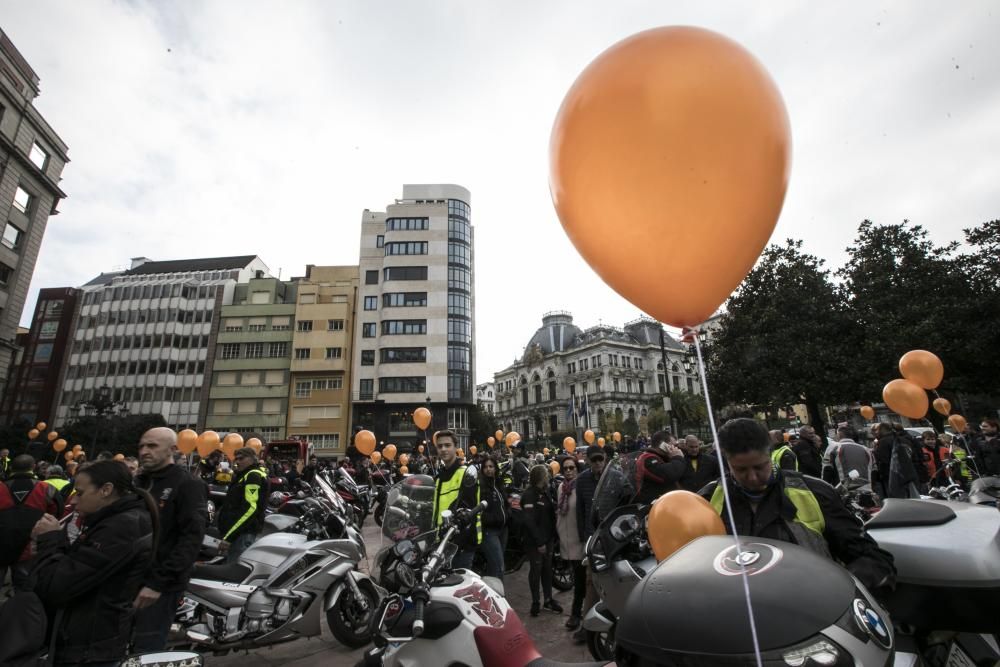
[446, 493]
[779, 452]
[57, 482]
[807, 510]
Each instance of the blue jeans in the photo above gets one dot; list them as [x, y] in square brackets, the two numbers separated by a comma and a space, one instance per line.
[463, 559]
[152, 624]
[492, 548]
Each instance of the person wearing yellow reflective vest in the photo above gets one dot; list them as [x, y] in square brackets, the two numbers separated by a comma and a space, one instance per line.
[242, 514]
[785, 505]
[457, 488]
[782, 456]
[55, 476]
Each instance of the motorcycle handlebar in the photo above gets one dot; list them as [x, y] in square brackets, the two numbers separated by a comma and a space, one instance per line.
[418, 617]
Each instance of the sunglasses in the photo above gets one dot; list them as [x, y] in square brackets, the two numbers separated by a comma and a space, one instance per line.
[597, 459]
[568, 468]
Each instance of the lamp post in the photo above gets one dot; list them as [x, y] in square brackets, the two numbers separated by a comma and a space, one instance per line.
[100, 405]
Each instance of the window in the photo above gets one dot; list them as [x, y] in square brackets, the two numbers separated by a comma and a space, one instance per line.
[552, 391]
[277, 350]
[325, 440]
[459, 253]
[405, 273]
[367, 357]
[307, 298]
[303, 389]
[260, 298]
[334, 352]
[584, 364]
[406, 248]
[459, 304]
[617, 384]
[401, 355]
[247, 406]
[251, 378]
[403, 327]
[255, 350]
[379, 241]
[690, 385]
[642, 387]
[677, 382]
[366, 388]
[43, 352]
[12, 237]
[571, 367]
[304, 325]
[371, 277]
[371, 303]
[459, 207]
[231, 324]
[460, 331]
[459, 278]
[38, 155]
[302, 352]
[524, 396]
[458, 358]
[257, 324]
[282, 323]
[230, 350]
[270, 406]
[368, 330]
[627, 362]
[22, 200]
[538, 393]
[222, 407]
[628, 385]
[404, 299]
[406, 224]
[459, 230]
[274, 377]
[48, 330]
[402, 385]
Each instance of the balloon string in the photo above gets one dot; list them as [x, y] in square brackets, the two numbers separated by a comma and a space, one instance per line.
[729, 505]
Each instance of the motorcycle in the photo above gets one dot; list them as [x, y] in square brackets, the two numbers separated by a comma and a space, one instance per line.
[352, 495]
[468, 621]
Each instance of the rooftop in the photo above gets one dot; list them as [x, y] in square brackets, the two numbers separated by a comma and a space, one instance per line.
[191, 265]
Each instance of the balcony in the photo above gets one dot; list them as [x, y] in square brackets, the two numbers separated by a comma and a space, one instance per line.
[249, 391]
[255, 336]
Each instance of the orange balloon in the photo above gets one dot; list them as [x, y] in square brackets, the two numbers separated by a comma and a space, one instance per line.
[119, 457]
[922, 368]
[617, 436]
[868, 412]
[679, 133]
[490, 441]
[569, 444]
[41, 426]
[403, 470]
[32, 434]
[59, 445]
[512, 437]
[420, 448]
[255, 444]
[187, 440]
[589, 437]
[77, 449]
[389, 452]
[364, 442]
[376, 457]
[545, 451]
[53, 435]
[422, 418]
[905, 398]
[942, 406]
[600, 442]
[473, 450]
[554, 467]
[68, 456]
[404, 459]
[498, 435]
[208, 442]
[231, 443]
[958, 423]
[460, 454]
[678, 517]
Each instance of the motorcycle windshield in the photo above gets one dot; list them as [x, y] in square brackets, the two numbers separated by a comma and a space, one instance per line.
[328, 492]
[346, 477]
[616, 486]
[409, 509]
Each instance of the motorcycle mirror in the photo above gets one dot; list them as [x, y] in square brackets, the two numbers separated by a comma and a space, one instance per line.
[446, 516]
[300, 494]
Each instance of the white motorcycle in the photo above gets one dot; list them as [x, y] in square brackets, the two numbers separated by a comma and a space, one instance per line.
[435, 615]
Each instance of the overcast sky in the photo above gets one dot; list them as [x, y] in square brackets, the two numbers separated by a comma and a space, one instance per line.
[222, 128]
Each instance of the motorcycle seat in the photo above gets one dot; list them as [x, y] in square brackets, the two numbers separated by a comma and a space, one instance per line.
[910, 513]
[231, 572]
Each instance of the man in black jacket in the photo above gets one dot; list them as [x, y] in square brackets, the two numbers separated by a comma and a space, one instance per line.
[700, 468]
[659, 468]
[181, 500]
[809, 451]
[784, 505]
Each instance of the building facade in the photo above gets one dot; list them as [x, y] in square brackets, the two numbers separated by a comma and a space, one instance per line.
[570, 379]
[32, 157]
[415, 330]
[486, 397]
[250, 377]
[322, 353]
[34, 381]
[148, 335]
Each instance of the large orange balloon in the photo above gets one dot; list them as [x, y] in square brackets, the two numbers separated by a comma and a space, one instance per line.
[187, 440]
[512, 437]
[589, 437]
[422, 418]
[600, 442]
[52, 436]
[490, 441]
[942, 406]
[59, 445]
[569, 444]
[376, 457]
[69, 456]
[905, 398]
[403, 470]
[868, 412]
[473, 450]
[231, 443]
[498, 435]
[41, 426]
[673, 133]
[678, 517]
[208, 442]
[404, 459]
[255, 444]
[922, 368]
[389, 452]
[364, 442]
[958, 423]
[32, 434]
[77, 448]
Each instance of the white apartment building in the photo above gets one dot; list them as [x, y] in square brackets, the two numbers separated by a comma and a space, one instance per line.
[486, 397]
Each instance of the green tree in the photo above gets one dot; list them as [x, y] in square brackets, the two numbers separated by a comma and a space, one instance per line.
[118, 435]
[982, 333]
[482, 424]
[787, 337]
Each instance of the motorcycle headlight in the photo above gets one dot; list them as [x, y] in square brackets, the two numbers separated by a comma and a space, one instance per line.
[821, 652]
[624, 527]
[405, 576]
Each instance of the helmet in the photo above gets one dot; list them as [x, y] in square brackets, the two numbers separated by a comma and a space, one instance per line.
[276, 500]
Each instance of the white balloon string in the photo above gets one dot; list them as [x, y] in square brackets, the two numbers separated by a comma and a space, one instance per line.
[729, 505]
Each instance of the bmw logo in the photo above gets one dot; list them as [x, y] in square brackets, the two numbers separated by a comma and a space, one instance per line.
[872, 623]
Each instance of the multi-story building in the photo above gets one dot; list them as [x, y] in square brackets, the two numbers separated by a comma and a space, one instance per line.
[415, 326]
[148, 335]
[322, 349]
[486, 397]
[253, 356]
[32, 157]
[569, 379]
[29, 395]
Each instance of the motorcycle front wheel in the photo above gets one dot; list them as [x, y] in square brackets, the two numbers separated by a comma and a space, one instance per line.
[349, 621]
[601, 644]
[562, 576]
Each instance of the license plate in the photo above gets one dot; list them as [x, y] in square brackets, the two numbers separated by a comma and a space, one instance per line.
[958, 658]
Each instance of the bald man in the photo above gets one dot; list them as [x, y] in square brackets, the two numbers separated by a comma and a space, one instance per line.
[183, 517]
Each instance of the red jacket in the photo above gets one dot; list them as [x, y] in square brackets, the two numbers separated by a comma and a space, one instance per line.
[23, 499]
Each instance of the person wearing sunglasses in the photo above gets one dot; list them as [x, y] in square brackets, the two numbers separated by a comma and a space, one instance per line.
[570, 546]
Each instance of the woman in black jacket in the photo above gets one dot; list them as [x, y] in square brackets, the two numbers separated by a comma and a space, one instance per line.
[495, 517]
[90, 584]
[539, 537]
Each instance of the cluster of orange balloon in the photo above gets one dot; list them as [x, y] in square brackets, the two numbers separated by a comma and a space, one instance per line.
[189, 441]
[921, 371]
[679, 133]
[512, 438]
[58, 444]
